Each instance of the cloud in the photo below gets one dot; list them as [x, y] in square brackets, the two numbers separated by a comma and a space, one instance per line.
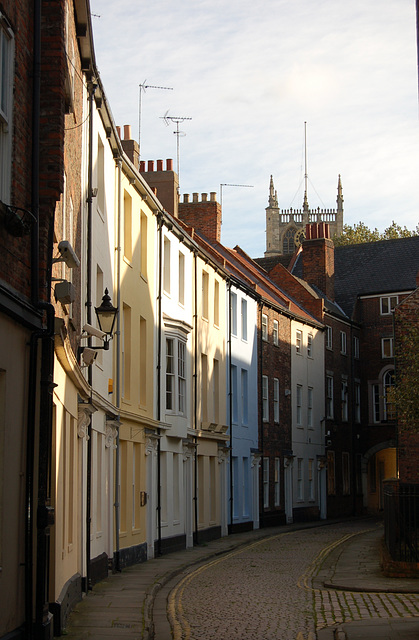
[249, 75]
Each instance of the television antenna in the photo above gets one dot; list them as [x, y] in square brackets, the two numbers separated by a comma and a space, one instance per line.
[143, 88]
[226, 184]
[177, 120]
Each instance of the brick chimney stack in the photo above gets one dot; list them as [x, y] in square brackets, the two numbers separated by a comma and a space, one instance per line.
[129, 145]
[319, 258]
[165, 181]
[204, 215]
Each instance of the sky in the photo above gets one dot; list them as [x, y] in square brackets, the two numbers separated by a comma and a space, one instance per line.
[249, 75]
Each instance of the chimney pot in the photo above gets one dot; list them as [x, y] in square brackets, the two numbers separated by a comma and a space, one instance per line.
[142, 166]
[118, 130]
[186, 197]
[204, 197]
[150, 165]
[169, 164]
[127, 132]
[213, 196]
[195, 197]
[159, 165]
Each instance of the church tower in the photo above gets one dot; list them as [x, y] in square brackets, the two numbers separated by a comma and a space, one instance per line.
[285, 228]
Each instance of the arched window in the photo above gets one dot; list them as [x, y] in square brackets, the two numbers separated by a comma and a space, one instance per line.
[388, 383]
[381, 407]
[288, 242]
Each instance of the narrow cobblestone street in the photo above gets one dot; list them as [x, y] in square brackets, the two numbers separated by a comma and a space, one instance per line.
[269, 591]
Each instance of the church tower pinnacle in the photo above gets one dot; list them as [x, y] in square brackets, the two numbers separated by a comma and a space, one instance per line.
[273, 197]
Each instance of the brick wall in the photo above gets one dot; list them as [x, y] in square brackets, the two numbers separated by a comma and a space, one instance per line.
[276, 437]
[204, 215]
[165, 183]
[319, 264]
[15, 252]
[408, 432]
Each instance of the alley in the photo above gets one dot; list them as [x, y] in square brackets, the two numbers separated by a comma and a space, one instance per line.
[269, 590]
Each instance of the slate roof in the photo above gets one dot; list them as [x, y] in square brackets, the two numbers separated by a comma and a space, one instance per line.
[385, 266]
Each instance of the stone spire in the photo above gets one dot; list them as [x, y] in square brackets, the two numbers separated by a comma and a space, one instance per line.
[273, 198]
[339, 199]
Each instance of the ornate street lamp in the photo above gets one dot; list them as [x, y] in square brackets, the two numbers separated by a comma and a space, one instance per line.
[106, 316]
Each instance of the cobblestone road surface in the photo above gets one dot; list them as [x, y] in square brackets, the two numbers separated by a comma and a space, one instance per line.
[265, 592]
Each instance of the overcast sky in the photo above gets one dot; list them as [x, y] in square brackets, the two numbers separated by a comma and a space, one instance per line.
[249, 74]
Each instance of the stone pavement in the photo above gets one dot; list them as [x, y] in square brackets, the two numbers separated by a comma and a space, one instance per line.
[346, 583]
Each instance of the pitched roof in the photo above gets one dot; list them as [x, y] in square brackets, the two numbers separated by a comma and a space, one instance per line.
[370, 268]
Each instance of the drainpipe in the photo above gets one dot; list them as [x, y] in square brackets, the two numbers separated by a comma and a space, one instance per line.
[195, 498]
[44, 516]
[159, 381]
[33, 357]
[396, 426]
[230, 400]
[45, 513]
[118, 364]
[262, 508]
[91, 89]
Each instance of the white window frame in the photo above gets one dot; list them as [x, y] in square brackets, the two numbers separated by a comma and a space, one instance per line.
[388, 382]
[244, 319]
[356, 347]
[343, 345]
[298, 341]
[387, 345]
[265, 399]
[299, 404]
[177, 375]
[387, 304]
[275, 333]
[310, 393]
[233, 312]
[310, 345]
[329, 337]
[276, 400]
[264, 327]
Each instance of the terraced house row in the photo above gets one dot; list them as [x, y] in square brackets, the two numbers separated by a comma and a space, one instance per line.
[158, 389]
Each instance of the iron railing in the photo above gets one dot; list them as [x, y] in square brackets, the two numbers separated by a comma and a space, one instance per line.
[401, 521]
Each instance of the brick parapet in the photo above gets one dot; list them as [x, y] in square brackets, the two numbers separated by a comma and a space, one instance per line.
[204, 215]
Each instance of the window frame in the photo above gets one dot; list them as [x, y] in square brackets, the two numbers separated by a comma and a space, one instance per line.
[390, 342]
[329, 397]
[309, 345]
[178, 376]
[343, 343]
[265, 399]
[264, 327]
[299, 406]
[299, 341]
[276, 400]
[389, 306]
[243, 307]
[275, 333]
[329, 337]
